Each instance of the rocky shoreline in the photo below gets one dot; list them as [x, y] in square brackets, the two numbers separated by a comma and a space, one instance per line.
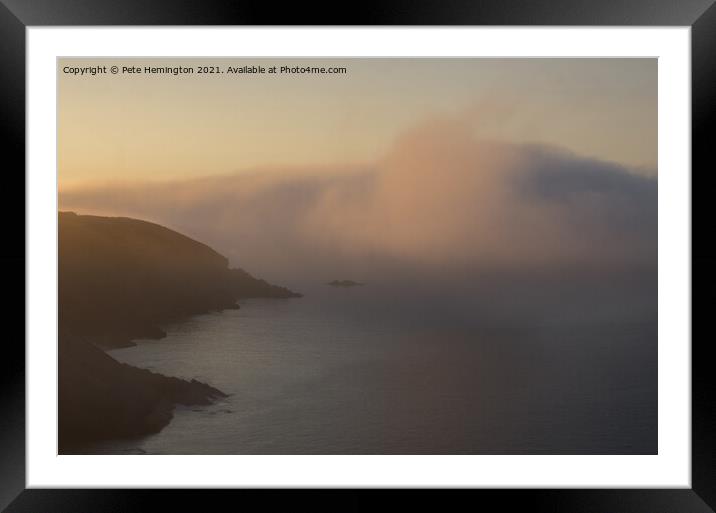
[101, 398]
[120, 279]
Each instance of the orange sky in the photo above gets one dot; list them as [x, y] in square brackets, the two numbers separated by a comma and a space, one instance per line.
[163, 127]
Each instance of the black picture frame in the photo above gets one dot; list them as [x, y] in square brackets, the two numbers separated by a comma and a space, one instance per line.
[17, 15]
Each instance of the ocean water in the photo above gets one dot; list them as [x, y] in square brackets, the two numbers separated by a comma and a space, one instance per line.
[365, 371]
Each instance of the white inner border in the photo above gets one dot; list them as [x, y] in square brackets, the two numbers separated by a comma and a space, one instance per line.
[671, 467]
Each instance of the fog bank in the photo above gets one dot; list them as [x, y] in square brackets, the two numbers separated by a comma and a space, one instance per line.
[440, 202]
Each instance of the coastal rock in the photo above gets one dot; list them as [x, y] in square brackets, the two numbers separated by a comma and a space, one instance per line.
[101, 398]
[344, 283]
[120, 279]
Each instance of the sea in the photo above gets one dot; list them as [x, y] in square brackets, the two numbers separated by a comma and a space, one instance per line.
[374, 370]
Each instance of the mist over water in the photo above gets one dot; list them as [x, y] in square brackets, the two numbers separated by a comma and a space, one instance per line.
[502, 215]
[509, 303]
[440, 201]
[388, 369]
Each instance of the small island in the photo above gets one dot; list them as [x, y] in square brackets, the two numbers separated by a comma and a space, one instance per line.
[344, 283]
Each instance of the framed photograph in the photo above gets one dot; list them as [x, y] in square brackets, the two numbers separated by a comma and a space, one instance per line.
[425, 248]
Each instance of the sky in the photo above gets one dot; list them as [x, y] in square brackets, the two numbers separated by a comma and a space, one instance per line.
[436, 165]
[157, 127]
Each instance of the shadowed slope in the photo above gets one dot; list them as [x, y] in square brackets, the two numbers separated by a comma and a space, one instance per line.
[120, 279]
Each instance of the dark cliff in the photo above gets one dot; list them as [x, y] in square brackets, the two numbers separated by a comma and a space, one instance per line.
[120, 279]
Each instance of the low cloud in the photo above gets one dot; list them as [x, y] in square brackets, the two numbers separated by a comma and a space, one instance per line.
[440, 199]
